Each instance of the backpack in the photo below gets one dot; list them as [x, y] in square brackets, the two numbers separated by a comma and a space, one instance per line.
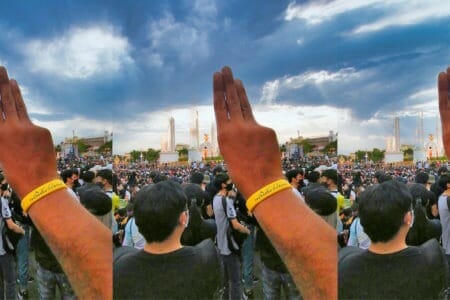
[233, 234]
[10, 238]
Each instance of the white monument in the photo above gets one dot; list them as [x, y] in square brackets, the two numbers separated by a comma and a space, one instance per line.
[168, 153]
[194, 153]
[419, 149]
[393, 153]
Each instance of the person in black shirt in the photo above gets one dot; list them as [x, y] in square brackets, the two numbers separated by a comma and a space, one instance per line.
[390, 269]
[165, 269]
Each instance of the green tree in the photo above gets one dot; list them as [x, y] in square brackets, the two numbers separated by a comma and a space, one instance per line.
[152, 154]
[135, 155]
[376, 155]
[82, 146]
[307, 147]
[183, 151]
[331, 147]
[360, 155]
[106, 147]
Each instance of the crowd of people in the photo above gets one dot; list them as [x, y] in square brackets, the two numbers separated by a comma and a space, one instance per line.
[192, 232]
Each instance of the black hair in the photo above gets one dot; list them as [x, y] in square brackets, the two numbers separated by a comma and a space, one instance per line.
[157, 209]
[219, 179]
[67, 173]
[196, 177]
[88, 176]
[417, 235]
[96, 201]
[106, 174]
[292, 174]
[331, 174]
[313, 176]
[382, 209]
[321, 200]
[422, 178]
[443, 181]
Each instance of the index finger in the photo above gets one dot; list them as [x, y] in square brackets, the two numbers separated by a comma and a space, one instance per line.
[220, 106]
[8, 107]
[20, 104]
[443, 91]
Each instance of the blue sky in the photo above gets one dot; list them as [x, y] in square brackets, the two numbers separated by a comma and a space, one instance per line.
[309, 67]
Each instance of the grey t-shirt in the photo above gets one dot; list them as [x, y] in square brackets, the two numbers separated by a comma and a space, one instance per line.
[6, 214]
[444, 214]
[222, 222]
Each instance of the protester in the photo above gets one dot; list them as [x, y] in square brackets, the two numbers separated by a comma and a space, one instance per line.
[165, 269]
[79, 242]
[419, 272]
[252, 152]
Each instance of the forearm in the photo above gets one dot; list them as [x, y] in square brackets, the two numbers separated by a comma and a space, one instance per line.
[304, 241]
[14, 227]
[84, 252]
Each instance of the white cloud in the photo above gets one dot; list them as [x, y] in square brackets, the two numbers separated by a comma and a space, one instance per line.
[395, 12]
[319, 11]
[185, 41]
[408, 13]
[80, 53]
[272, 89]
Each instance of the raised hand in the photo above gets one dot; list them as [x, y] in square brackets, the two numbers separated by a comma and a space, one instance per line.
[250, 150]
[444, 107]
[27, 155]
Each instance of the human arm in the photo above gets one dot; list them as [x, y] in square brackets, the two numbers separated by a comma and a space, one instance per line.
[252, 151]
[14, 227]
[78, 240]
[434, 210]
[239, 227]
[444, 107]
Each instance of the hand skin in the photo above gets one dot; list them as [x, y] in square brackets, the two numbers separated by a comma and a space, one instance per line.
[303, 240]
[444, 107]
[82, 245]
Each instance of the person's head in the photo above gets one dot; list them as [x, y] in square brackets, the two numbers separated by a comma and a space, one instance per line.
[196, 178]
[69, 176]
[442, 170]
[329, 177]
[3, 183]
[159, 209]
[222, 181]
[195, 194]
[384, 209]
[104, 178]
[444, 181]
[422, 178]
[217, 170]
[313, 176]
[88, 176]
[320, 200]
[96, 201]
[294, 176]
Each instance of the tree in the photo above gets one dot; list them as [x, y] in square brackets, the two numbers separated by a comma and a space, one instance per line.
[331, 147]
[135, 155]
[307, 147]
[360, 155]
[376, 155]
[106, 147]
[82, 146]
[183, 151]
[152, 154]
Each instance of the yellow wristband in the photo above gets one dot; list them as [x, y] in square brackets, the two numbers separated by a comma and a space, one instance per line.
[265, 192]
[40, 192]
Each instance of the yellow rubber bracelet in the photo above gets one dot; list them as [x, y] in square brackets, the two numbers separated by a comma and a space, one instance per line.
[40, 192]
[265, 192]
